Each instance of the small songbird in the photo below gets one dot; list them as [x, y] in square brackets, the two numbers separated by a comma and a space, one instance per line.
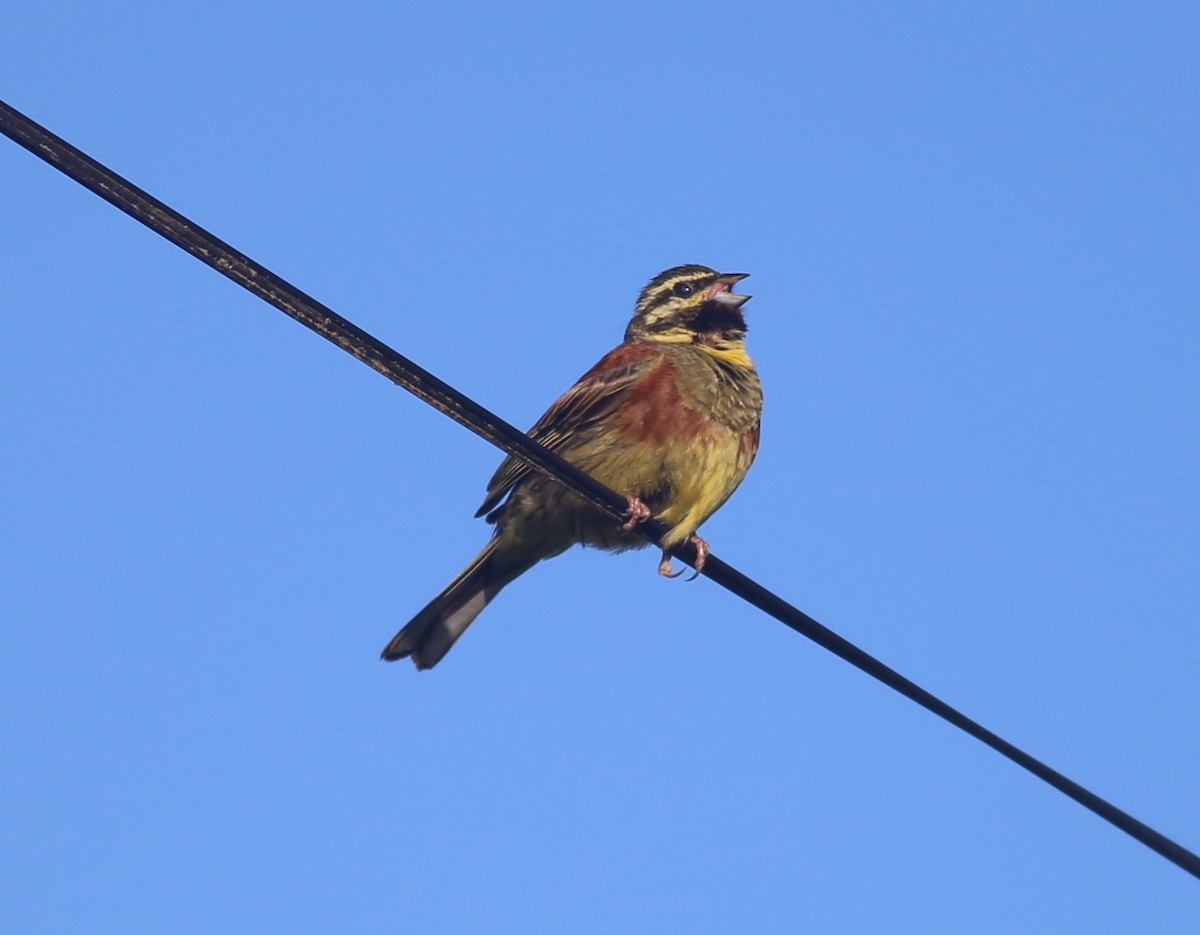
[669, 418]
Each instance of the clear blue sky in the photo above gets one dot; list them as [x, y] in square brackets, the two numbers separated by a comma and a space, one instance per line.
[974, 234]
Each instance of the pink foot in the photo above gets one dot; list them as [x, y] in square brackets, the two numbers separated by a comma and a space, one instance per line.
[637, 511]
[664, 567]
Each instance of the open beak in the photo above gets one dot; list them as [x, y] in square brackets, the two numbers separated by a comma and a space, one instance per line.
[720, 292]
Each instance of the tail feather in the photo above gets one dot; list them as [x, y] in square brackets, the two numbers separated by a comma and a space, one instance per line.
[431, 633]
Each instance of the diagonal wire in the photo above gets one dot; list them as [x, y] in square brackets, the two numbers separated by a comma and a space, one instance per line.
[400, 370]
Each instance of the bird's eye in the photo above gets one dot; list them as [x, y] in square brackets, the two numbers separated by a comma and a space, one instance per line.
[683, 289]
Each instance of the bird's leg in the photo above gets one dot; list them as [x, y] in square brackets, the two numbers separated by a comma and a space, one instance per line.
[664, 567]
[701, 554]
[636, 511]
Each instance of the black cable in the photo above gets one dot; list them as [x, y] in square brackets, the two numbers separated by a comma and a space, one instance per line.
[352, 339]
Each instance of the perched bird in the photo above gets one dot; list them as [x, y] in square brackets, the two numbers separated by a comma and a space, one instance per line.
[669, 418]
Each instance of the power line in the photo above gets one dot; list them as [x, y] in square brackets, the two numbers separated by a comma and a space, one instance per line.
[400, 370]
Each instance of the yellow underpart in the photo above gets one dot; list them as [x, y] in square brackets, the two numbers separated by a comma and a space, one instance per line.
[735, 356]
[706, 473]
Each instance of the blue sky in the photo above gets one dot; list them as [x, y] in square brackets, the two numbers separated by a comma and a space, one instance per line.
[973, 237]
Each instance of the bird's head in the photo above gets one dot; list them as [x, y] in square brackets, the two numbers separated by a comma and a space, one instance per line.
[689, 303]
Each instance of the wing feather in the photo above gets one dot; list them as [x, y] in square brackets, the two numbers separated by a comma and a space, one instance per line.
[596, 394]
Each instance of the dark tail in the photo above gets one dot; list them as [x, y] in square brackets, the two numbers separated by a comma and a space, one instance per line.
[431, 633]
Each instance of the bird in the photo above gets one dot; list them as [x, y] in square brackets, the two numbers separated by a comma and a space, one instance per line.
[669, 419]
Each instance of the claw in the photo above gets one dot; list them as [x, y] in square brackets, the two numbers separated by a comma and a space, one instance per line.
[664, 567]
[637, 511]
[701, 554]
